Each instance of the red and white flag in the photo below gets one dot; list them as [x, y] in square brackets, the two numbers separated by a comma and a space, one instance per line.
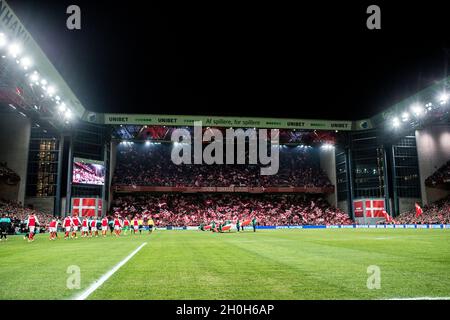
[419, 210]
[85, 207]
[387, 216]
[374, 208]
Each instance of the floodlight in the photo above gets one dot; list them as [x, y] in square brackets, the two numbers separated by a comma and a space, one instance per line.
[51, 90]
[25, 62]
[405, 116]
[34, 77]
[61, 107]
[68, 114]
[443, 98]
[327, 146]
[395, 122]
[417, 110]
[14, 49]
[3, 40]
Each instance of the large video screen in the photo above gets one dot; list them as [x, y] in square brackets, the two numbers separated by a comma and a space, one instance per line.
[88, 172]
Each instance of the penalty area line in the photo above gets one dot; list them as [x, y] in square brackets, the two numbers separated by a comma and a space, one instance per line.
[86, 293]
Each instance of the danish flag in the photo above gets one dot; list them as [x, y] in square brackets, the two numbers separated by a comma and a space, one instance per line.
[85, 207]
[374, 208]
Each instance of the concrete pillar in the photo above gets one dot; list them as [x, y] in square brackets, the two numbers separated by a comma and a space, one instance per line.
[15, 131]
[433, 150]
[328, 165]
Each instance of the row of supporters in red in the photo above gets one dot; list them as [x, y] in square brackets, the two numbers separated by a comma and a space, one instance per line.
[176, 209]
[141, 165]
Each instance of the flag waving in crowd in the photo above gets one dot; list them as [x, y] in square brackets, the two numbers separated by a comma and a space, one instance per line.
[419, 210]
[387, 217]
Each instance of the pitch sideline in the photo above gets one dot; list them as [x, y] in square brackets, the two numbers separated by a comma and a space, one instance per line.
[86, 293]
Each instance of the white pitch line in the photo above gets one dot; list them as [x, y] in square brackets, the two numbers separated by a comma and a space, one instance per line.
[107, 275]
[421, 298]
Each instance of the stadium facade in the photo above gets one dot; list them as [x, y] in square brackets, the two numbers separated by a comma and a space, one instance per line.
[43, 133]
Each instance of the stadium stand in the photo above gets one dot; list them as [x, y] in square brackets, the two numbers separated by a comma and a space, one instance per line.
[19, 215]
[440, 177]
[177, 209]
[149, 166]
[435, 213]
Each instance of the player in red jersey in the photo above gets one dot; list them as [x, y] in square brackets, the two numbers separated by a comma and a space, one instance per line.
[53, 229]
[85, 228]
[31, 225]
[75, 224]
[93, 225]
[104, 226]
[135, 224]
[67, 224]
[117, 226]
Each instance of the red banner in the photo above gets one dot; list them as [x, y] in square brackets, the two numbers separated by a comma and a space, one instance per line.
[369, 208]
[358, 208]
[375, 208]
[86, 207]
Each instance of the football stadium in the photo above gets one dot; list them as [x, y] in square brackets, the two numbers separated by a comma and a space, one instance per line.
[111, 206]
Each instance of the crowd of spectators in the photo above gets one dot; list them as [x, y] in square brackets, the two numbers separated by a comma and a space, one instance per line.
[19, 215]
[435, 213]
[152, 166]
[175, 209]
[440, 177]
[82, 173]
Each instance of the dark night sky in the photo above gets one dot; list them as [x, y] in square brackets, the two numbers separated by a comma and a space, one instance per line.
[262, 60]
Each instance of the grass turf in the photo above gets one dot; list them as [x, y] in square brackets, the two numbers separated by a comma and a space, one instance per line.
[268, 264]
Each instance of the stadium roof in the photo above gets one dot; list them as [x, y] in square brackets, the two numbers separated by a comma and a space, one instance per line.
[15, 31]
[11, 25]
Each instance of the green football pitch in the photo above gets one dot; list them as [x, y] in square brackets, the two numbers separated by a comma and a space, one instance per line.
[268, 264]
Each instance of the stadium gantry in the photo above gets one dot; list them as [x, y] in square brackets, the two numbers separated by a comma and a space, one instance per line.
[64, 153]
